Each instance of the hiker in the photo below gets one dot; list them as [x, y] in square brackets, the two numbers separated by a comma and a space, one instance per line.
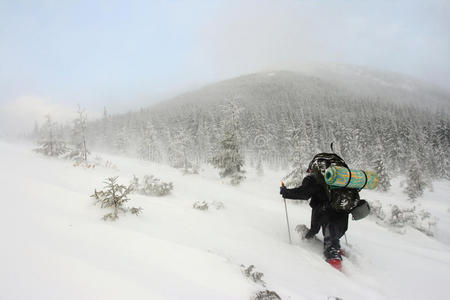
[334, 223]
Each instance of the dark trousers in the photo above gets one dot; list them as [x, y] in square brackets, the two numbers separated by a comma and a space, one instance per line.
[333, 230]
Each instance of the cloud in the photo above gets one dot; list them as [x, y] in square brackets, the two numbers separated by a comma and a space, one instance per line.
[19, 116]
[406, 36]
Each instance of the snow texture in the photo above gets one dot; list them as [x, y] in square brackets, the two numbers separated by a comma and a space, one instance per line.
[54, 246]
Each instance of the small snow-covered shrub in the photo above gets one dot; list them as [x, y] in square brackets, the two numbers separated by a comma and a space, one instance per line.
[427, 223]
[55, 148]
[420, 220]
[398, 218]
[376, 209]
[76, 155]
[136, 210]
[401, 217]
[191, 169]
[98, 161]
[114, 196]
[255, 276]
[218, 205]
[203, 205]
[110, 165]
[151, 186]
[84, 164]
[200, 205]
[267, 295]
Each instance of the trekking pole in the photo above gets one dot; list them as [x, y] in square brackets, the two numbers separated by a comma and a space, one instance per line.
[287, 218]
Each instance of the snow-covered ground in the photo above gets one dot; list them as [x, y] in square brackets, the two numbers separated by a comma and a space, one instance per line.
[56, 246]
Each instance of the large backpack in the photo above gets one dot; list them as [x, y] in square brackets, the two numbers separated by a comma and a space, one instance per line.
[341, 199]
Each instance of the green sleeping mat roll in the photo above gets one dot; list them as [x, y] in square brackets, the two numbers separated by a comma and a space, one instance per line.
[339, 177]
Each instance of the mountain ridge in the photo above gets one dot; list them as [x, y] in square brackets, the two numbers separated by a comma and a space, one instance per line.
[351, 82]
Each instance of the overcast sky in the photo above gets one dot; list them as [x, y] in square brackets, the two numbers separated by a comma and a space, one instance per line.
[124, 54]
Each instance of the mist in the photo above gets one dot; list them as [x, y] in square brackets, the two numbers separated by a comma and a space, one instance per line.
[125, 56]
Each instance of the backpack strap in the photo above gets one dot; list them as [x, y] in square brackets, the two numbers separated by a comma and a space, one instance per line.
[365, 182]
[350, 177]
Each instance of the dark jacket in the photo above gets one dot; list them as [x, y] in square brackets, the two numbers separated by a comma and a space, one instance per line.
[321, 211]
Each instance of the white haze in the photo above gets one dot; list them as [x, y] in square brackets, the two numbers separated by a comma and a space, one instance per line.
[207, 43]
[19, 116]
[410, 37]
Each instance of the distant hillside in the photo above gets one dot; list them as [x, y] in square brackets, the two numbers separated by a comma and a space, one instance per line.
[319, 81]
[286, 117]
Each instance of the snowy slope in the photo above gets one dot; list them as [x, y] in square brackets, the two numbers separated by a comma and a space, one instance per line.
[55, 245]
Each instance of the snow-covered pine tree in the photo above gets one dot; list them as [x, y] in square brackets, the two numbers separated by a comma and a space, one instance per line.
[121, 142]
[50, 142]
[104, 130]
[79, 152]
[259, 166]
[115, 196]
[184, 142]
[385, 180]
[229, 159]
[391, 144]
[442, 148]
[415, 183]
[146, 146]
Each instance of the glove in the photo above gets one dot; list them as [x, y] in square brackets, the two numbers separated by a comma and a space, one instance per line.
[283, 191]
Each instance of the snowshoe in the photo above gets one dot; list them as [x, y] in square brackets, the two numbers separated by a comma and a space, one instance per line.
[334, 258]
[336, 263]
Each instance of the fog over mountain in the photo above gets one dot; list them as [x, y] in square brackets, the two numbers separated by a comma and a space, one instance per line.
[319, 79]
[283, 118]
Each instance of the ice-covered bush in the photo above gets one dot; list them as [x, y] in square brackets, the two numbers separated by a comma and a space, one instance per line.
[51, 148]
[110, 165]
[398, 218]
[267, 295]
[376, 209]
[203, 205]
[85, 165]
[190, 169]
[114, 196]
[218, 205]
[200, 205]
[420, 220]
[151, 186]
[76, 155]
[254, 275]
[401, 217]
